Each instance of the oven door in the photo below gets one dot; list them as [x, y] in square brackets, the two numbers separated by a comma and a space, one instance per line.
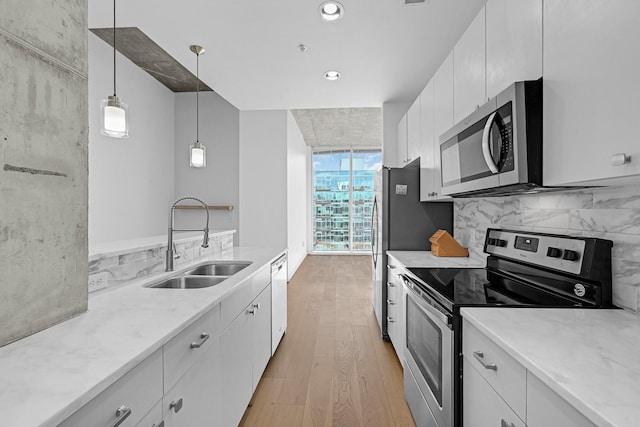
[429, 353]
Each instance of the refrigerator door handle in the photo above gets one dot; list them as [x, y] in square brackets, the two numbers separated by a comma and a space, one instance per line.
[374, 241]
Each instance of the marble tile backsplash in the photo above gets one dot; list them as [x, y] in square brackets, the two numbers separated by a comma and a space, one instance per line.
[608, 213]
[138, 263]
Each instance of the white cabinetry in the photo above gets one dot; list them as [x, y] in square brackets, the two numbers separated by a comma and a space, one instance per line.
[129, 399]
[245, 344]
[413, 131]
[395, 308]
[469, 69]
[499, 391]
[191, 374]
[428, 178]
[514, 42]
[591, 90]
[402, 146]
[278, 301]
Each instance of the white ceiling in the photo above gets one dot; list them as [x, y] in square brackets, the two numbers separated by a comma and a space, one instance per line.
[385, 50]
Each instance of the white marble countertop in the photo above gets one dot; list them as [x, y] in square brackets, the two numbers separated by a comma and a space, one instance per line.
[119, 247]
[426, 259]
[47, 376]
[589, 357]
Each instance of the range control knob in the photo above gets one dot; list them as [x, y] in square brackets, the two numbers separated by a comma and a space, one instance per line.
[501, 243]
[570, 255]
[554, 252]
[491, 241]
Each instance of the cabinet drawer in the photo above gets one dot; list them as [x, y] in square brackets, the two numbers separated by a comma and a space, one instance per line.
[260, 281]
[188, 346]
[153, 418]
[393, 291]
[546, 408]
[138, 391]
[501, 371]
[235, 303]
[482, 405]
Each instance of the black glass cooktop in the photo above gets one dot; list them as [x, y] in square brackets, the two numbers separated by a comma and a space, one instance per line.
[481, 286]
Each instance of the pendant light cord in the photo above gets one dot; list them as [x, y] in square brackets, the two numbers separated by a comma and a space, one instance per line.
[198, 97]
[114, 47]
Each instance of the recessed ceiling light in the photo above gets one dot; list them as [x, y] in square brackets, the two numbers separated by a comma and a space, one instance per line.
[331, 10]
[332, 75]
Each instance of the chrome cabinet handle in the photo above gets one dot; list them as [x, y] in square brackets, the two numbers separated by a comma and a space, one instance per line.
[503, 423]
[480, 358]
[122, 413]
[391, 285]
[176, 405]
[203, 336]
[486, 150]
[158, 425]
[391, 302]
[257, 305]
[251, 311]
[391, 320]
[390, 266]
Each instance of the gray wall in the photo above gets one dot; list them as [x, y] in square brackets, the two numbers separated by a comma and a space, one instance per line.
[131, 180]
[609, 213]
[218, 182]
[43, 153]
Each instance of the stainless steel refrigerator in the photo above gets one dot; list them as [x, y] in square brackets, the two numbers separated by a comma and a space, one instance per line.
[401, 222]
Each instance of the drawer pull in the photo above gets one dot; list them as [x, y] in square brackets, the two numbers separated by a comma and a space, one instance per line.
[503, 423]
[122, 413]
[391, 302]
[391, 285]
[391, 320]
[257, 306]
[479, 357]
[159, 425]
[176, 405]
[391, 266]
[203, 337]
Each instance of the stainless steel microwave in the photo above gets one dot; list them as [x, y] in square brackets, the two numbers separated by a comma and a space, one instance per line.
[496, 150]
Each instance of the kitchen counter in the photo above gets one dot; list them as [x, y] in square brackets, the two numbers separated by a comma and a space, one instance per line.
[591, 358]
[49, 375]
[425, 259]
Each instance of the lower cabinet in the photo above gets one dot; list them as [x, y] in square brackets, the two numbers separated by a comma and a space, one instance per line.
[245, 352]
[195, 399]
[499, 391]
[396, 327]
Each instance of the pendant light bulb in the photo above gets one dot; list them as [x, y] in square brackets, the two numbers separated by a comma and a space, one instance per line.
[197, 151]
[114, 114]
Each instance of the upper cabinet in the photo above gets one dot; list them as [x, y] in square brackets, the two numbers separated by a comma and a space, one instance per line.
[413, 131]
[469, 87]
[402, 142]
[513, 43]
[591, 89]
[427, 144]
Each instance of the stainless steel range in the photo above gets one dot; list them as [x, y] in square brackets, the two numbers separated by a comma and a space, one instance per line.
[524, 269]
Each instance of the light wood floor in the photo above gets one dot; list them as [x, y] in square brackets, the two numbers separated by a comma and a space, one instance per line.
[332, 367]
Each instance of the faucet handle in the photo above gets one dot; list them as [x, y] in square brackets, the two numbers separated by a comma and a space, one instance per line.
[176, 254]
[205, 239]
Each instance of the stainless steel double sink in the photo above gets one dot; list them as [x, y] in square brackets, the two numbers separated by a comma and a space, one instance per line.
[202, 276]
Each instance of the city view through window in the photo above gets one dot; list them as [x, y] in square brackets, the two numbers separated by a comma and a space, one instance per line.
[343, 199]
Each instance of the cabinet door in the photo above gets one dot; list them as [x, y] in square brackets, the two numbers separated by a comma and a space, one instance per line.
[591, 89]
[427, 143]
[402, 141]
[514, 43]
[261, 341]
[153, 418]
[413, 131]
[278, 306]
[469, 69]
[442, 112]
[236, 382]
[195, 399]
[482, 406]
[545, 408]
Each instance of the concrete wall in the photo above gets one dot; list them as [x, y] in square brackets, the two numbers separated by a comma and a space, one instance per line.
[43, 158]
[131, 180]
[297, 207]
[263, 178]
[218, 182]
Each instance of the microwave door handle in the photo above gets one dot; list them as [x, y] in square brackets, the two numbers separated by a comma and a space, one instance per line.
[486, 149]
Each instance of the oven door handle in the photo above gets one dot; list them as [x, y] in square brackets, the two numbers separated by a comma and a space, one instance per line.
[486, 149]
[426, 303]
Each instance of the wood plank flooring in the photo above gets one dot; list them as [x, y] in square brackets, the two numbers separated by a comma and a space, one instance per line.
[332, 367]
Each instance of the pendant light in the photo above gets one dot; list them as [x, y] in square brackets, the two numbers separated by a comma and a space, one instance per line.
[197, 152]
[114, 114]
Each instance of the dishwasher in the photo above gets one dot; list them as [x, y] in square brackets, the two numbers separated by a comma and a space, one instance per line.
[278, 301]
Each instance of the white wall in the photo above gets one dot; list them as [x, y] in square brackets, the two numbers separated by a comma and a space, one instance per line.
[263, 178]
[131, 181]
[218, 182]
[297, 206]
[392, 112]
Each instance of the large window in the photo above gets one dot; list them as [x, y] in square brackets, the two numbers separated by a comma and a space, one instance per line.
[343, 199]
